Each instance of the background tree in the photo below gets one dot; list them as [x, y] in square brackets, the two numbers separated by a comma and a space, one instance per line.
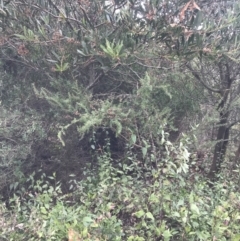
[119, 94]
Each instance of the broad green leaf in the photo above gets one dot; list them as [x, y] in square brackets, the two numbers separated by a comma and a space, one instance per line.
[236, 237]
[149, 215]
[139, 214]
[43, 210]
[85, 233]
[46, 205]
[154, 198]
[133, 138]
[87, 220]
[194, 208]
[167, 235]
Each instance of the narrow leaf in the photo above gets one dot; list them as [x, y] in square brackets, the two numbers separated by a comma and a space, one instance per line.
[144, 151]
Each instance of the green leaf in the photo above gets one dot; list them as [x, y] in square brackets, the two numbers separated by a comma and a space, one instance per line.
[20, 36]
[166, 235]
[59, 135]
[51, 61]
[64, 67]
[87, 221]
[198, 19]
[154, 198]
[84, 45]
[2, 12]
[47, 206]
[56, 55]
[194, 208]
[133, 138]
[144, 151]
[80, 52]
[85, 233]
[43, 210]
[139, 214]
[149, 215]
[185, 154]
[236, 237]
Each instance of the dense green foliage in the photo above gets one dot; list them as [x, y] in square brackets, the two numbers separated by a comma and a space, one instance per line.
[119, 120]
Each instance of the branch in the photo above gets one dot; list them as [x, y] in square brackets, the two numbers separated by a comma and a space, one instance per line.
[91, 85]
[58, 11]
[233, 124]
[195, 74]
[86, 16]
[67, 18]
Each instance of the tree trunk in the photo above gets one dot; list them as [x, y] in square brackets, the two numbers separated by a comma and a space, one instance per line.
[223, 129]
[220, 148]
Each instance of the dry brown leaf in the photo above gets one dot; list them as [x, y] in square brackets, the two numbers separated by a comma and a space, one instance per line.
[22, 50]
[73, 235]
[182, 13]
[207, 50]
[191, 5]
[188, 34]
[195, 6]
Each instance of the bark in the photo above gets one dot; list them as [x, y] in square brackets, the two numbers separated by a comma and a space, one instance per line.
[223, 127]
[220, 148]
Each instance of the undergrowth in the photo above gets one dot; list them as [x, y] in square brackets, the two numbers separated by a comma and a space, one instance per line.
[125, 202]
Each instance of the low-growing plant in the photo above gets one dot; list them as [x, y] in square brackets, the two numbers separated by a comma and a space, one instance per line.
[114, 202]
